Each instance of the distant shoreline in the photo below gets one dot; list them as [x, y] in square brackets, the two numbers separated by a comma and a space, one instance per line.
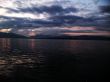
[53, 38]
[63, 37]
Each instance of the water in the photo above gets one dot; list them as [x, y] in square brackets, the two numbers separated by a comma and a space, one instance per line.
[41, 60]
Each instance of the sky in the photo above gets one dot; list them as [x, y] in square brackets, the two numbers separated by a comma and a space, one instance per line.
[55, 17]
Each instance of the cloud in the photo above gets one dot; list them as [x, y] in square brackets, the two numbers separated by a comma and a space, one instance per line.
[66, 20]
[56, 31]
[52, 10]
[105, 9]
[15, 22]
[8, 9]
[104, 19]
[60, 21]
[23, 14]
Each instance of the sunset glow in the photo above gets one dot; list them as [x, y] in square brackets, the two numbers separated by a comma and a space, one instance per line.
[95, 34]
[5, 30]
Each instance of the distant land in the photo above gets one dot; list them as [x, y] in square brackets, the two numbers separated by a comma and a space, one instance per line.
[82, 37]
[11, 35]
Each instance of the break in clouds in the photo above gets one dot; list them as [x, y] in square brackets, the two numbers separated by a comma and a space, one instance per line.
[52, 14]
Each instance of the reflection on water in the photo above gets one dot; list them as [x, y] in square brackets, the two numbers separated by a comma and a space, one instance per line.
[53, 60]
[7, 63]
[5, 44]
[18, 59]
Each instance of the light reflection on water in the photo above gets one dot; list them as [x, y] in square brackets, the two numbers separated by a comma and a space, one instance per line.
[15, 53]
[40, 59]
[7, 62]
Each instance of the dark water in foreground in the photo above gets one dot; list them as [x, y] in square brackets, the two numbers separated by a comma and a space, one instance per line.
[23, 60]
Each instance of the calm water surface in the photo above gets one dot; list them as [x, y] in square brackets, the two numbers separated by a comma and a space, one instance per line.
[36, 60]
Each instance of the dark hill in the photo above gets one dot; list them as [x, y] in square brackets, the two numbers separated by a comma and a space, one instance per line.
[10, 35]
[82, 37]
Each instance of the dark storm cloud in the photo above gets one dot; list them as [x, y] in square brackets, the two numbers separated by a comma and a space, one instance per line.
[64, 20]
[105, 9]
[58, 17]
[104, 20]
[72, 20]
[11, 22]
[23, 22]
[53, 10]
